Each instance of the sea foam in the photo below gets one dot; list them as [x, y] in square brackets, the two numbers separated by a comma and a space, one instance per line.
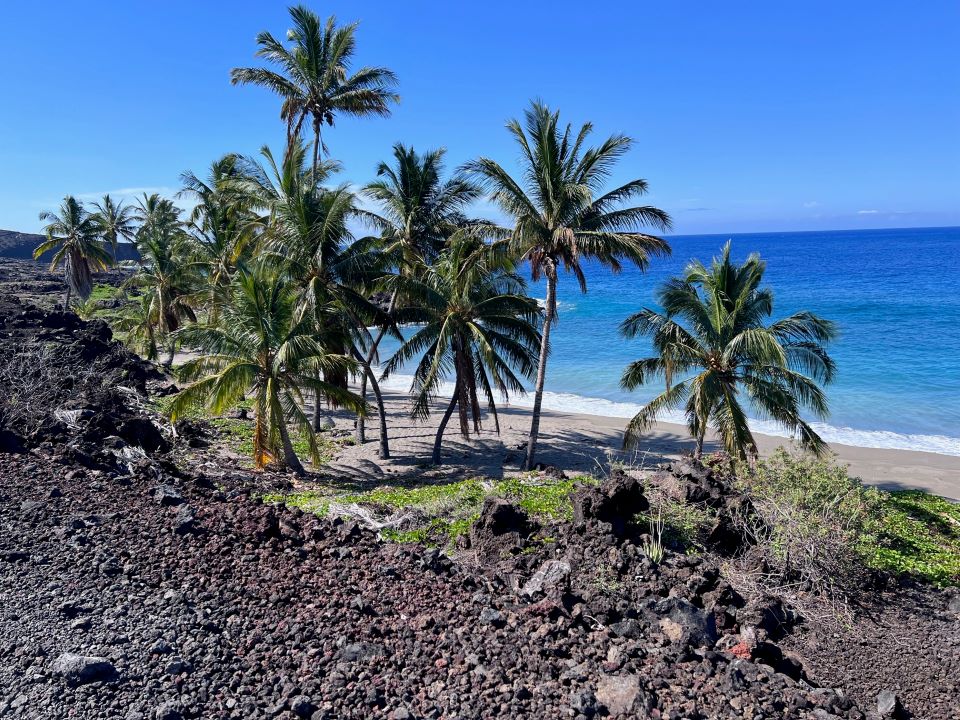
[578, 404]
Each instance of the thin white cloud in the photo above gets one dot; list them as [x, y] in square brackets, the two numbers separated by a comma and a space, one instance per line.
[811, 204]
[867, 212]
[128, 193]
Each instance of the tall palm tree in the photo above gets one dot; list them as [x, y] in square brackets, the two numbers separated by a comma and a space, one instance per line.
[116, 221]
[417, 211]
[477, 324]
[308, 233]
[562, 216]
[165, 275]
[261, 349]
[713, 322]
[313, 77]
[76, 236]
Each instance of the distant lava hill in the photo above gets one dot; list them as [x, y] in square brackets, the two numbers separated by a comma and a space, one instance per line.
[21, 245]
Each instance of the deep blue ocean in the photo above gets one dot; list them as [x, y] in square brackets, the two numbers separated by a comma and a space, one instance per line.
[895, 295]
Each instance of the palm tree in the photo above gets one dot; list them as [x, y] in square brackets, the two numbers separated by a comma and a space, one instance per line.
[76, 236]
[222, 227]
[164, 276]
[314, 79]
[262, 349]
[308, 235]
[418, 209]
[116, 221]
[156, 215]
[477, 323]
[137, 325]
[417, 212]
[713, 323]
[562, 217]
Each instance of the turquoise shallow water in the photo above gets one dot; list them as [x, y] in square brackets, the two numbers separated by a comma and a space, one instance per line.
[894, 293]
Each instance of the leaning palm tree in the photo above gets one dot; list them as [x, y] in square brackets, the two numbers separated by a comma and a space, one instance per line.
[477, 324]
[262, 350]
[713, 324]
[76, 236]
[417, 211]
[562, 216]
[116, 221]
[313, 77]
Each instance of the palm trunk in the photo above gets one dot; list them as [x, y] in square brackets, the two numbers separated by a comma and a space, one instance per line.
[381, 410]
[551, 309]
[361, 434]
[698, 453]
[171, 351]
[443, 424]
[66, 299]
[316, 148]
[318, 416]
[290, 458]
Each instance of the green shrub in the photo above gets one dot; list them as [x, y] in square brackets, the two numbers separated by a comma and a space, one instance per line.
[809, 522]
[822, 529]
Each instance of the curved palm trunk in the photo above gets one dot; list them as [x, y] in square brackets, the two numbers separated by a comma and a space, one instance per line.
[551, 310]
[381, 410]
[66, 299]
[171, 351]
[443, 424]
[361, 432]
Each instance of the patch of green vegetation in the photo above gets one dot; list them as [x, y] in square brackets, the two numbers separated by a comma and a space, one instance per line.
[430, 499]
[438, 532]
[829, 525]
[239, 433]
[684, 524]
[916, 533]
[102, 291]
[447, 509]
[545, 501]
[312, 501]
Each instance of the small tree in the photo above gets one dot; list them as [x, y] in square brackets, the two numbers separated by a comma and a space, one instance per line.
[779, 367]
[261, 349]
[76, 236]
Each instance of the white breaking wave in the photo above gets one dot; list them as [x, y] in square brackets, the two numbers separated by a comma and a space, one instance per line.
[570, 403]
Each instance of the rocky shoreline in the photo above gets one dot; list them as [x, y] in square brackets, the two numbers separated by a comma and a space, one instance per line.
[136, 584]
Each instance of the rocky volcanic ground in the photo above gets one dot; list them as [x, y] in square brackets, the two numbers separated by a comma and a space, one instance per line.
[136, 585]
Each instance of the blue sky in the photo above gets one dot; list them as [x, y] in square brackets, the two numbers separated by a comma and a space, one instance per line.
[748, 116]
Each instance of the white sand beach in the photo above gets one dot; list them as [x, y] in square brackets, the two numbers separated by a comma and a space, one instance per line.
[581, 443]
